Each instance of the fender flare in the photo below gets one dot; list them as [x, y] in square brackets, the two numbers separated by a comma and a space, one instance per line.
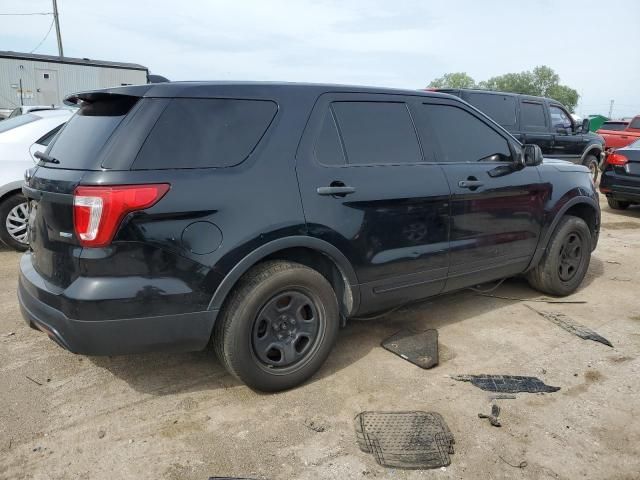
[11, 187]
[336, 256]
[542, 247]
[589, 149]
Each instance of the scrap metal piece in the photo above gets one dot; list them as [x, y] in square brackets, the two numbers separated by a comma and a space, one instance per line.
[411, 440]
[572, 326]
[507, 383]
[493, 417]
[419, 348]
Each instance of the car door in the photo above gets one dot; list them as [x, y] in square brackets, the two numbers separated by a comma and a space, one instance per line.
[368, 189]
[496, 211]
[567, 144]
[534, 124]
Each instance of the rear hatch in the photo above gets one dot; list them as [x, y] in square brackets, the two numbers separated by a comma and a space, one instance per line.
[77, 149]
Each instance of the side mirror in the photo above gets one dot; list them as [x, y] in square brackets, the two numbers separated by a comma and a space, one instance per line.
[586, 123]
[532, 155]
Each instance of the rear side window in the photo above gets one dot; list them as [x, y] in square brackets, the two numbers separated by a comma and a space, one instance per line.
[532, 116]
[635, 123]
[328, 149]
[377, 133]
[462, 136]
[79, 144]
[13, 122]
[204, 133]
[501, 108]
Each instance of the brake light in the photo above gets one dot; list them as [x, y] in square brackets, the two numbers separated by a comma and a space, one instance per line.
[617, 159]
[98, 210]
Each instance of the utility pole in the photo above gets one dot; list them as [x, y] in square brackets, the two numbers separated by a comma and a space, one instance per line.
[57, 20]
[610, 108]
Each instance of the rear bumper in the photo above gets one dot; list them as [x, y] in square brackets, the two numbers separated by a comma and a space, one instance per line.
[176, 332]
[611, 186]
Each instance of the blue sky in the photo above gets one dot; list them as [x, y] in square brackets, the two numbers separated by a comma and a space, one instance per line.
[592, 45]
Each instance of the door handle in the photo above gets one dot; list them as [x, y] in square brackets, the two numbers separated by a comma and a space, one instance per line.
[338, 190]
[472, 184]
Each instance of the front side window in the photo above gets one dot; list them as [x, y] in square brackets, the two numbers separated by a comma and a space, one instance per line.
[463, 137]
[532, 116]
[377, 133]
[559, 118]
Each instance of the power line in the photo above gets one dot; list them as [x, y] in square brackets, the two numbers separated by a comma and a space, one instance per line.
[45, 37]
[25, 14]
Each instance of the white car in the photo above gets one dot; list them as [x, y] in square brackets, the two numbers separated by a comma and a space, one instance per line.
[20, 138]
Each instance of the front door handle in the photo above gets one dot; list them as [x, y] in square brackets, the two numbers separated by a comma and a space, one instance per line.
[472, 184]
[340, 191]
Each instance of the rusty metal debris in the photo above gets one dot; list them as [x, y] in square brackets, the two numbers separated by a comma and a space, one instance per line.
[571, 326]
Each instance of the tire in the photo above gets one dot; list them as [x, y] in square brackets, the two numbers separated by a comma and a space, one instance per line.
[562, 268]
[591, 162]
[260, 335]
[14, 215]
[617, 204]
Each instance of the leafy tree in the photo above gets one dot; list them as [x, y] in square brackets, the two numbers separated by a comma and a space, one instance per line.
[453, 80]
[542, 81]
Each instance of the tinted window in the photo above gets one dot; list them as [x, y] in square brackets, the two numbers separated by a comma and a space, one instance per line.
[46, 138]
[559, 118]
[328, 148]
[377, 133]
[11, 123]
[501, 108]
[80, 142]
[615, 126]
[462, 136]
[532, 116]
[635, 123]
[201, 133]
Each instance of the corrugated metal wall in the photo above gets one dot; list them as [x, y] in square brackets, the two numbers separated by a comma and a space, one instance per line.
[63, 80]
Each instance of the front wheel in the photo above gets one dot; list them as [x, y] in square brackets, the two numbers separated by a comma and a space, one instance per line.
[14, 215]
[591, 162]
[278, 327]
[565, 263]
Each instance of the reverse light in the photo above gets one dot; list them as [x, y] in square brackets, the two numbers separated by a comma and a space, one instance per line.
[99, 210]
[617, 159]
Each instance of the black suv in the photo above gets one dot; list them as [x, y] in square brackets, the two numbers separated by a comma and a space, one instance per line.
[261, 216]
[541, 121]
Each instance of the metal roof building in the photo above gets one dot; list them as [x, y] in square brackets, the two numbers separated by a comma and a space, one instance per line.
[29, 79]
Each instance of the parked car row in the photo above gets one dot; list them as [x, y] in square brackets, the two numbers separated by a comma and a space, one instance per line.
[20, 138]
[620, 133]
[259, 217]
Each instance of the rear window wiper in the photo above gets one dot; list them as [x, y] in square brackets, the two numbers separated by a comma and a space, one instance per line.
[43, 157]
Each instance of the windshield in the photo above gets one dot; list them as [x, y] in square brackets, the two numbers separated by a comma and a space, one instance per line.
[11, 123]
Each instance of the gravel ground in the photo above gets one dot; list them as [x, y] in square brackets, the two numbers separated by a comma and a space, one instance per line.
[180, 416]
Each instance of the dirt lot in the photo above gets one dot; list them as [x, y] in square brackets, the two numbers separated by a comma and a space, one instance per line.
[180, 416]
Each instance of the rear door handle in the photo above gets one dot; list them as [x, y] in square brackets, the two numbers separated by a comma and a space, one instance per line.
[470, 183]
[337, 190]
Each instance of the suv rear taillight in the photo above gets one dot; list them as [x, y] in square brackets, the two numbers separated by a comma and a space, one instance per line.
[98, 210]
[617, 159]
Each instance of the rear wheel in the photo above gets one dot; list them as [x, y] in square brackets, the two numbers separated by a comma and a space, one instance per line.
[591, 162]
[278, 326]
[566, 260]
[617, 204]
[14, 215]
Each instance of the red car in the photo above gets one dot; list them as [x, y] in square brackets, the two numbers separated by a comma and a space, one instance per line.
[620, 133]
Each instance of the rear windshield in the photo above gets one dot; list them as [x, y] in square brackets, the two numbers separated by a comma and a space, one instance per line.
[614, 125]
[78, 145]
[501, 108]
[11, 123]
[635, 123]
[205, 133]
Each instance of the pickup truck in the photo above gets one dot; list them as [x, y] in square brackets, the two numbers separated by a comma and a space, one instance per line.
[618, 138]
[541, 121]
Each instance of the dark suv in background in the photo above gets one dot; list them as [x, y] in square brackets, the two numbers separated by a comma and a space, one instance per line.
[541, 121]
[261, 216]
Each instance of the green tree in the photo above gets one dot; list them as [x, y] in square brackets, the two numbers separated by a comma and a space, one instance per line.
[543, 81]
[453, 80]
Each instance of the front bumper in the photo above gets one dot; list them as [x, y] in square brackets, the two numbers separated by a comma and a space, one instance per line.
[176, 332]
